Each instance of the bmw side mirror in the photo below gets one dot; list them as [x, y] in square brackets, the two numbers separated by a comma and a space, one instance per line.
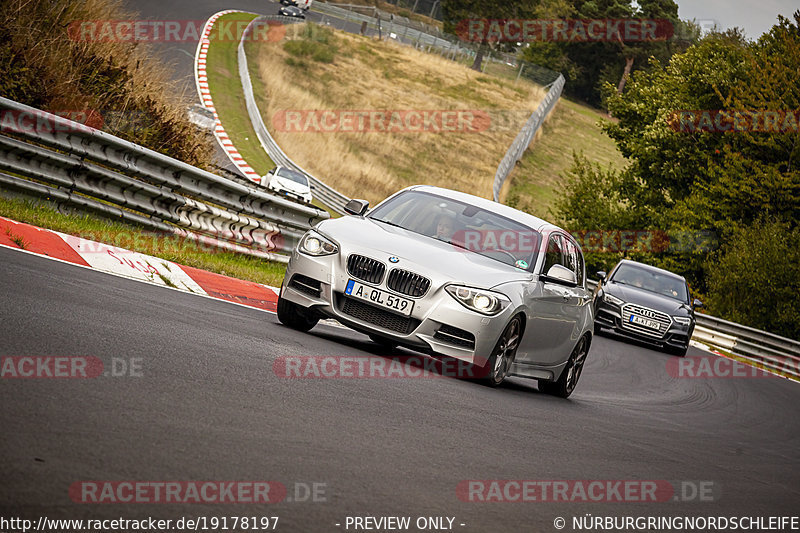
[561, 275]
[697, 304]
[356, 207]
[601, 275]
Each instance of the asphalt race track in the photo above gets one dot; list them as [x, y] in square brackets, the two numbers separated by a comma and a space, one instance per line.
[205, 404]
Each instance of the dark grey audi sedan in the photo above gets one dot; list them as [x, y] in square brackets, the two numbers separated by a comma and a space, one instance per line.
[646, 303]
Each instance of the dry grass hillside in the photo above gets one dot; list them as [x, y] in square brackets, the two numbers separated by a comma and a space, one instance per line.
[56, 56]
[316, 70]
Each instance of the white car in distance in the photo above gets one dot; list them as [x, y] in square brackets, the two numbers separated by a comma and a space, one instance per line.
[290, 183]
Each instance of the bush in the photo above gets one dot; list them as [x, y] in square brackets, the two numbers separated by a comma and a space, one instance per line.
[315, 42]
[755, 279]
[42, 66]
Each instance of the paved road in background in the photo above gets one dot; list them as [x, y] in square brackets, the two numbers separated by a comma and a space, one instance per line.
[180, 55]
[208, 406]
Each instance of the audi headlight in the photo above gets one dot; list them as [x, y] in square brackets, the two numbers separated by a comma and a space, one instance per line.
[682, 320]
[479, 300]
[315, 244]
[613, 300]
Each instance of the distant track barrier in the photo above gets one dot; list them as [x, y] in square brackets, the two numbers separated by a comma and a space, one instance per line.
[327, 195]
[525, 136]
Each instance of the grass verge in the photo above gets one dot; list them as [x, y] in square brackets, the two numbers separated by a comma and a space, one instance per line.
[319, 72]
[140, 240]
[535, 182]
[222, 67]
[226, 91]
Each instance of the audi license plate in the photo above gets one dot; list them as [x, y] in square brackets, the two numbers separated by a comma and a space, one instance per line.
[379, 297]
[652, 324]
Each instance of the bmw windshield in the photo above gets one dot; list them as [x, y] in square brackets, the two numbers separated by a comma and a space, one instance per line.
[461, 225]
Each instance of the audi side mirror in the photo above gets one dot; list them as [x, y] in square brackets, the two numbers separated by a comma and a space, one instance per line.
[697, 304]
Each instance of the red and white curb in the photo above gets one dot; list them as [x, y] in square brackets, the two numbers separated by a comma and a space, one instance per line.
[201, 80]
[134, 265]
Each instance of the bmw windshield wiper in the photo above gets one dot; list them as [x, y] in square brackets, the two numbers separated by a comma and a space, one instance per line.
[389, 223]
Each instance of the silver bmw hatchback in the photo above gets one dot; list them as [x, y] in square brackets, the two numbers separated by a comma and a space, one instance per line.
[452, 275]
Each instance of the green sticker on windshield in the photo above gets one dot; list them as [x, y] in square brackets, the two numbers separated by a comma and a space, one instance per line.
[521, 264]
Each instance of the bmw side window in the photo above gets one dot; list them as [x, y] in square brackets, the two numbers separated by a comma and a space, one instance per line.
[554, 254]
[574, 260]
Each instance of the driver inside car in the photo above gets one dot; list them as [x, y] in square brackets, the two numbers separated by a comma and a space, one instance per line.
[445, 227]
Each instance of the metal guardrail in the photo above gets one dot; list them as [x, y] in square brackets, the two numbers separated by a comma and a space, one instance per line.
[384, 15]
[525, 136]
[79, 165]
[429, 38]
[327, 195]
[405, 31]
[766, 350]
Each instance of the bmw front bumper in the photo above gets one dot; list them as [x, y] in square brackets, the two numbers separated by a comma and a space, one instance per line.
[438, 323]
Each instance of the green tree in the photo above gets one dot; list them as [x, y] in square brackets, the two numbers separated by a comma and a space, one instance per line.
[587, 66]
[742, 185]
[755, 279]
[457, 13]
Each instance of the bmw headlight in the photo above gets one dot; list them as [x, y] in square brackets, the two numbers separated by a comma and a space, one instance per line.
[682, 320]
[613, 300]
[480, 300]
[315, 244]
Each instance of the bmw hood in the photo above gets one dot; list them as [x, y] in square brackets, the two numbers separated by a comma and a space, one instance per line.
[645, 298]
[421, 254]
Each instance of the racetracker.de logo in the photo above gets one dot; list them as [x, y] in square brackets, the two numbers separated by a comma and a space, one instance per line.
[370, 367]
[35, 122]
[735, 121]
[213, 492]
[569, 490]
[564, 30]
[173, 31]
[381, 121]
[712, 366]
[47, 367]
